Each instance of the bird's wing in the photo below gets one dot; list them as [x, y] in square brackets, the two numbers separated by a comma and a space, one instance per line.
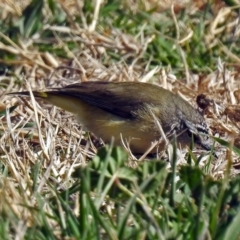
[121, 99]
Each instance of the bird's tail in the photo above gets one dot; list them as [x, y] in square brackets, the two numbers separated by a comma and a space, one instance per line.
[71, 104]
[27, 93]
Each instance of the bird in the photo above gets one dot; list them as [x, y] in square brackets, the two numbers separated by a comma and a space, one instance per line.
[131, 112]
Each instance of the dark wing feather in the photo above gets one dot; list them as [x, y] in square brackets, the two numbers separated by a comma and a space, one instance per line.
[121, 99]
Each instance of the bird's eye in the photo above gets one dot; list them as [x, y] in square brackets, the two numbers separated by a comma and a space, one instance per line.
[189, 134]
[196, 138]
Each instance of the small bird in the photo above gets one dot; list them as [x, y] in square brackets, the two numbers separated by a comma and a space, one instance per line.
[130, 111]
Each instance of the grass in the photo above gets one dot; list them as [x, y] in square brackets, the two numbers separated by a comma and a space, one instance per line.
[59, 182]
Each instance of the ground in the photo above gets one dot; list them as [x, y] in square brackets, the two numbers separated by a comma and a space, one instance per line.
[190, 49]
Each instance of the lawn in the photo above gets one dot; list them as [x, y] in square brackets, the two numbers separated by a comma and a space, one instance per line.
[58, 181]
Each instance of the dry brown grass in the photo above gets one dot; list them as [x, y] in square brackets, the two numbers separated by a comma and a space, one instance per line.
[58, 141]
